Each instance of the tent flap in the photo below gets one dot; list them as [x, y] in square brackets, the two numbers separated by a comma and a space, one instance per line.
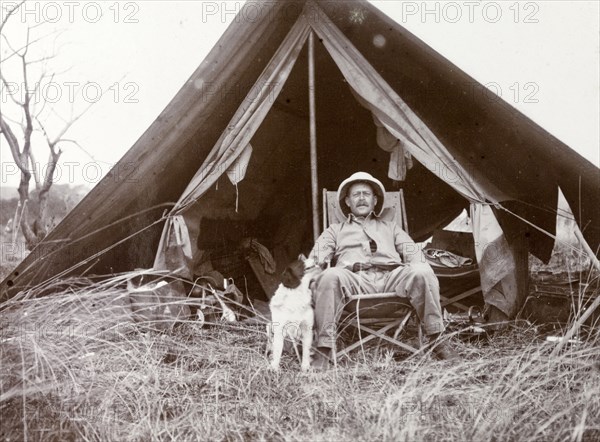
[249, 116]
[495, 260]
[392, 111]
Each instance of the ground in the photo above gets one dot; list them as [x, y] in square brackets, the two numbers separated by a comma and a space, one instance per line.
[75, 367]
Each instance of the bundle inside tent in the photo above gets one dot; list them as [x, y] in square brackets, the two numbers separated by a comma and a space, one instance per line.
[225, 179]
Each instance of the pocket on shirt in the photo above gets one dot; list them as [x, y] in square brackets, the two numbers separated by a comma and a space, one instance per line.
[366, 248]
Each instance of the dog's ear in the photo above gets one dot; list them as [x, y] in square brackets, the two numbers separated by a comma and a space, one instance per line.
[301, 257]
[292, 275]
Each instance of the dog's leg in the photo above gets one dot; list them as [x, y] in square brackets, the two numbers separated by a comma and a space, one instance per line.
[277, 347]
[307, 338]
[269, 346]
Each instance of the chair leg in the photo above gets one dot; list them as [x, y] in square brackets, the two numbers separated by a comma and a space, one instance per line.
[454, 300]
[377, 334]
[392, 340]
[402, 325]
[419, 328]
[366, 339]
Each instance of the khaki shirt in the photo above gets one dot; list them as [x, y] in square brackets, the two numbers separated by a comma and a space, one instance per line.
[349, 242]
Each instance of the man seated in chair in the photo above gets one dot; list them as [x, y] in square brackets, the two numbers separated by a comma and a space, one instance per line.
[371, 255]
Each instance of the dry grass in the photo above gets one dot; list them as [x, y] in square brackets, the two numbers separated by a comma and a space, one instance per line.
[75, 367]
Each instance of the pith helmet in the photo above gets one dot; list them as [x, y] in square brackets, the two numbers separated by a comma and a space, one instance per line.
[361, 177]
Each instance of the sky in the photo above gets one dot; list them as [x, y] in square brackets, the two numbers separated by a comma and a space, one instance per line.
[541, 57]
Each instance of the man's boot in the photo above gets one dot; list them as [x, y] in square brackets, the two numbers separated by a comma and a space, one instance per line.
[322, 358]
[441, 348]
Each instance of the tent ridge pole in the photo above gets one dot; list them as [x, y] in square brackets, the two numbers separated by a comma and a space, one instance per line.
[313, 136]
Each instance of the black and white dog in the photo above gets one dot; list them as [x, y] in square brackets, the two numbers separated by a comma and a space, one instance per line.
[292, 314]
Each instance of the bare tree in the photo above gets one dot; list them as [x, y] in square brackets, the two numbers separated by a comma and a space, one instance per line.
[18, 131]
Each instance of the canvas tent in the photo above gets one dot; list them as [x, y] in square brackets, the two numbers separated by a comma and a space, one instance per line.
[383, 100]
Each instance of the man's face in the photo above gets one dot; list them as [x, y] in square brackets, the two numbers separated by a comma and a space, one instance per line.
[361, 199]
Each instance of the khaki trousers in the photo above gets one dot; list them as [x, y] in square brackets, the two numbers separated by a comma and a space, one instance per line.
[417, 282]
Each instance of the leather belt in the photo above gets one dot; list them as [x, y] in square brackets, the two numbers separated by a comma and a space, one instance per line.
[361, 266]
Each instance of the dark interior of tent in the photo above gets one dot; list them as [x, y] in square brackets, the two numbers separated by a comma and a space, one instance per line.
[273, 201]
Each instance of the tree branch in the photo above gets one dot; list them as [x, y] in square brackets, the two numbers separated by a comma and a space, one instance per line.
[65, 140]
[10, 93]
[52, 162]
[34, 169]
[24, 47]
[63, 131]
[10, 13]
[13, 143]
[28, 129]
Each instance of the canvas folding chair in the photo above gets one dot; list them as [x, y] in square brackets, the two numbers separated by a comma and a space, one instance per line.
[459, 281]
[453, 282]
[374, 314]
